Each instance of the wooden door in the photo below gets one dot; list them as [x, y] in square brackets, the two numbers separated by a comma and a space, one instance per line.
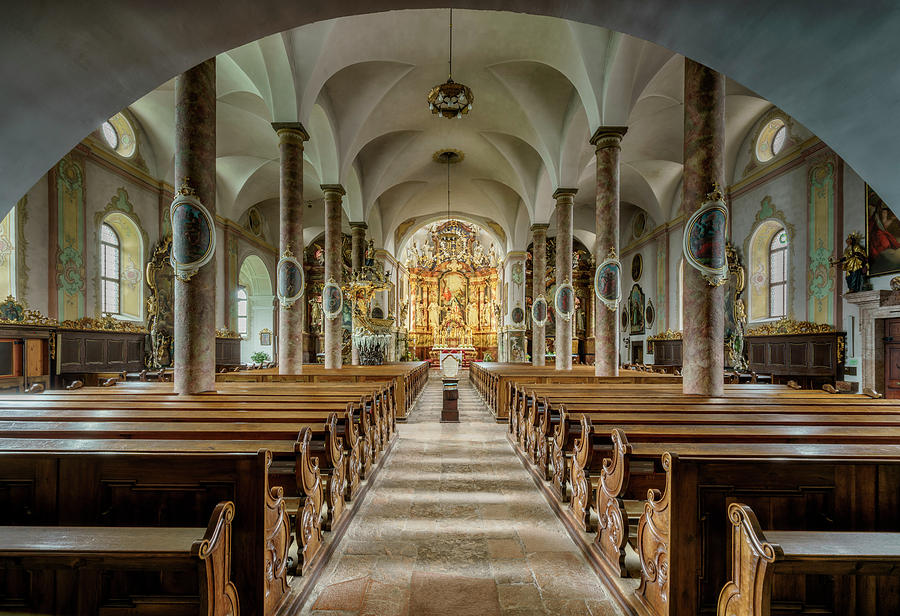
[892, 358]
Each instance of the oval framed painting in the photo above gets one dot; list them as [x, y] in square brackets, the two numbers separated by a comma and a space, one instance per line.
[332, 299]
[193, 235]
[564, 301]
[639, 224]
[608, 282]
[649, 313]
[637, 267]
[517, 315]
[704, 241]
[290, 279]
[539, 312]
[624, 318]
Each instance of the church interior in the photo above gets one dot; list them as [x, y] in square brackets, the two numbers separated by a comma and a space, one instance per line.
[410, 310]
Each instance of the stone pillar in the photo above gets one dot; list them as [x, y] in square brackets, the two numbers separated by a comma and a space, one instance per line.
[607, 142]
[357, 256]
[195, 167]
[538, 288]
[565, 200]
[704, 164]
[333, 240]
[291, 136]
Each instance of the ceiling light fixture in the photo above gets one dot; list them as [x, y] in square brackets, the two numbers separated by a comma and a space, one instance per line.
[450, 99]
[450, 230]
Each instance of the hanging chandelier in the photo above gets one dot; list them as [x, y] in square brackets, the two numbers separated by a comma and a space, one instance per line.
[450, 99]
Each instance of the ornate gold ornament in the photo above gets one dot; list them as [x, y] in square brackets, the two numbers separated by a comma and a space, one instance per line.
[228, 333]
[104, 324]
[789, 327]
[667, 335]
[14, 312]
[704, 238]
[186, 258]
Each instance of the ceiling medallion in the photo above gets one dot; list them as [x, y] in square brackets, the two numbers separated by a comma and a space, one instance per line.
[450, 99]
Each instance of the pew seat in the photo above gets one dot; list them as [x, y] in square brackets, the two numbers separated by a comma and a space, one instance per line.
[91, 550]
[758, 555]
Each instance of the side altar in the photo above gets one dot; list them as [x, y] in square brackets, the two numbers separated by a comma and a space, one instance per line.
[453, 295]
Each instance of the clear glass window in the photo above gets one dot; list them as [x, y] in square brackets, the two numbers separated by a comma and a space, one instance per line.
[110, 270]
[242, 311]
[778, 275]
[771, 140]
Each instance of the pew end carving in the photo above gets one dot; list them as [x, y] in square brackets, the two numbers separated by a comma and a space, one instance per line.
[612, 523]
[218, 595]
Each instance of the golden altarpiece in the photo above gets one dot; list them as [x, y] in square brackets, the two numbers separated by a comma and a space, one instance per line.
[452, 294]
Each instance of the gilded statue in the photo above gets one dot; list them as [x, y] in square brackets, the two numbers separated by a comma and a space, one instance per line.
[854, 261]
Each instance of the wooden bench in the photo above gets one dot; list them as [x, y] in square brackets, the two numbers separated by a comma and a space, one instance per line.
[126, 483]
[201, 560]
[756, 557]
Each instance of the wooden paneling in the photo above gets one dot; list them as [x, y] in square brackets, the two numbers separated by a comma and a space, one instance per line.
[82, 352]
[812, 359]
[228, 351]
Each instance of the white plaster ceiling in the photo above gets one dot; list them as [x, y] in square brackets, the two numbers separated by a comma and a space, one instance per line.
[541, 84]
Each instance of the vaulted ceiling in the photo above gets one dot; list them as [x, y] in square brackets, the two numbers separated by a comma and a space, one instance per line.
[542, 85]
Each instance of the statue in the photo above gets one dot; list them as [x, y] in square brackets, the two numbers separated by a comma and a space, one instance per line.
[413, 254]
[404, 310]
[427, 256]
[492, 257]
[854, 261]
[315, 307]
[478, 255]
[370, 253]
[472, 315]
[433, 315]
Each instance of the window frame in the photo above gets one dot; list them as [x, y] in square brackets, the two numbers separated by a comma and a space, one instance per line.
[104, 278]
[245, 300]
[778, 252]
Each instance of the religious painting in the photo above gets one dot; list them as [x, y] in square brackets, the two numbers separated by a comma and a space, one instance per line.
[265, 337]
[636, 310]
[639, 224]
[704, 241]
[607, 283]
[624, 318]
[649, 313]
[193, 236]
[564, 301]
[518, 273]
[539, 311]
[882, 235]
[637, 267]
[332, 299]
[290, 280]
[517, 315]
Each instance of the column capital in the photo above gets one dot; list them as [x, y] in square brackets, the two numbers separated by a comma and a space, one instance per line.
[561, 193]
[359, 225]
[539, 226]
[333, 189]
[608, 136]
[291, 131]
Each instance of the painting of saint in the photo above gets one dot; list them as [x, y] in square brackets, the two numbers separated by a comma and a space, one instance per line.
[636, 310]
[607, 282]
[707, 238]
[290, 279]
[883, 241]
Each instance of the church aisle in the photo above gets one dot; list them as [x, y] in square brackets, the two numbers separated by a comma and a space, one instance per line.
[455, 526]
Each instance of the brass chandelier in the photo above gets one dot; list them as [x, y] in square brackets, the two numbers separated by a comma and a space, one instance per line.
[450, 99]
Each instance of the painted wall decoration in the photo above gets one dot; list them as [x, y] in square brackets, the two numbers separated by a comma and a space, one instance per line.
[70, 271]
[636, 310]
[539, 311]
[607, 282]
[332, 299]
[882, 235]
[194, 236]
[821, 276]
[705, 235]
[518, 273]
[564, 301]
[518, 315]
[637, 267]
[291, 282]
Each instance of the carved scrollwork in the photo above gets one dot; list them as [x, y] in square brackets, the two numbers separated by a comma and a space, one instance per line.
[278, 541]
[612, 526]
[309, 480]
[789, 327]
[215, 550]
[653, 545]
[581, 483]
[559, 464]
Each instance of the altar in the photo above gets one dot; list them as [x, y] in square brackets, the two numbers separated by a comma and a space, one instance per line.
[464, 355]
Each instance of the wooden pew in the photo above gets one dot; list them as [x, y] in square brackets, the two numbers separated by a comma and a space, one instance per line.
[203, 557]
[156, 483]
[756, 557]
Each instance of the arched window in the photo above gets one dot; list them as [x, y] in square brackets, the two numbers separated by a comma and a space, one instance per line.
[8, 255]
[778, 275]
[769, 271]
[110, 270]
[681, 294]
[242, 311]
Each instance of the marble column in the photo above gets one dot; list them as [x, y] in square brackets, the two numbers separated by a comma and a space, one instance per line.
[704, 164]
[565, 200]
[357, 256]
[291, 136]
[538, 288]
[333, 241]
[195, 169]
[607, 141]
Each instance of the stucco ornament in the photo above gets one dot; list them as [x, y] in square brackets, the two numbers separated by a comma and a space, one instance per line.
[608, 281]
[291, 282]
[705, 235]
[193, 234]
